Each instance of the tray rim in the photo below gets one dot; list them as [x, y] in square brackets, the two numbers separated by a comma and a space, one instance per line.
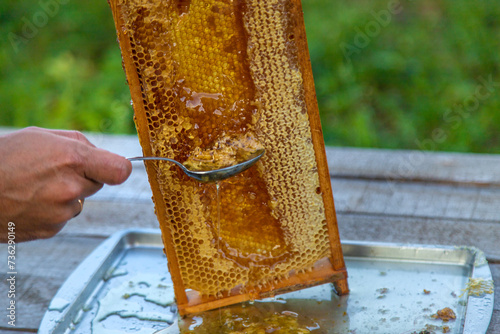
[74, 290]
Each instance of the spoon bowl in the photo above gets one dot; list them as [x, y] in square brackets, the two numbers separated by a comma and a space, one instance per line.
[211, 175]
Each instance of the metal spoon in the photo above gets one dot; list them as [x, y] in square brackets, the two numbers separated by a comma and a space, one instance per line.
[211, 175]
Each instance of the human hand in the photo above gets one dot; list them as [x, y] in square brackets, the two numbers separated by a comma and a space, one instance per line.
[43, 175]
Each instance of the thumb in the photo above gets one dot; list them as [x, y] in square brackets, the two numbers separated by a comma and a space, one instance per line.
[106, 167]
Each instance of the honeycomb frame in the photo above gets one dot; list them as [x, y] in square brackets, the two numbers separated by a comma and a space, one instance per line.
[142, 76]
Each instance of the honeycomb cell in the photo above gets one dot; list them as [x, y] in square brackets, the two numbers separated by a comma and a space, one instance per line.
[212, 74]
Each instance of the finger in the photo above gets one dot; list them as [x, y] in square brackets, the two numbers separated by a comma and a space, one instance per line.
[76, 135]
[46, 220]
[50, 230]
[67, 187]
[90, 187]
[63, 212]
[106, 167]
[70, 134]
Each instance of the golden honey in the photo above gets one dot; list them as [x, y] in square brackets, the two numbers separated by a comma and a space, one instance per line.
[218, 79]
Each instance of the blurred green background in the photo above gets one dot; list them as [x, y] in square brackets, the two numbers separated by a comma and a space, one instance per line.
[412, 74]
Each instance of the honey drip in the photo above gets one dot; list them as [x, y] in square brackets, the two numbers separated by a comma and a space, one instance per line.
[219, 294]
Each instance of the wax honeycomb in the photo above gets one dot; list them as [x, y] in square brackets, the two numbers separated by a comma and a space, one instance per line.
[214, 76]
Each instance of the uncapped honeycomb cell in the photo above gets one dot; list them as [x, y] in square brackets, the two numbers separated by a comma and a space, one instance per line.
[213, 74]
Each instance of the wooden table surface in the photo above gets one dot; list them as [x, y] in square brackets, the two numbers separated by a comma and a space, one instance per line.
[380, 195]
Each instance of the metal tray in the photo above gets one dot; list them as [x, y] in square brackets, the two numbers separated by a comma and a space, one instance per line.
[124, 286]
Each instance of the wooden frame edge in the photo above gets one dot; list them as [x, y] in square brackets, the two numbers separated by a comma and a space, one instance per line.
[141, 123]
[319, 144]
[322, 273]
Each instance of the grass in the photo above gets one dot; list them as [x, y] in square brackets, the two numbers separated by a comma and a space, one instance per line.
[406, 82]
[68, 75]
[423, 74]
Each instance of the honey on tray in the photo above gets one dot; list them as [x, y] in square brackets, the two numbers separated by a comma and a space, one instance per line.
[212, 81]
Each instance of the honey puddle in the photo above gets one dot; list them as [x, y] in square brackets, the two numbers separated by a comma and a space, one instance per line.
[306, 311]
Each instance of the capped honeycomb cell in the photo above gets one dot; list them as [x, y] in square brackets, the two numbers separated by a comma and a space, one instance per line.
[210, 79]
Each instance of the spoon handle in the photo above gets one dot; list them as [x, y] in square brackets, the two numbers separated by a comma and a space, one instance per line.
[157, 158]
